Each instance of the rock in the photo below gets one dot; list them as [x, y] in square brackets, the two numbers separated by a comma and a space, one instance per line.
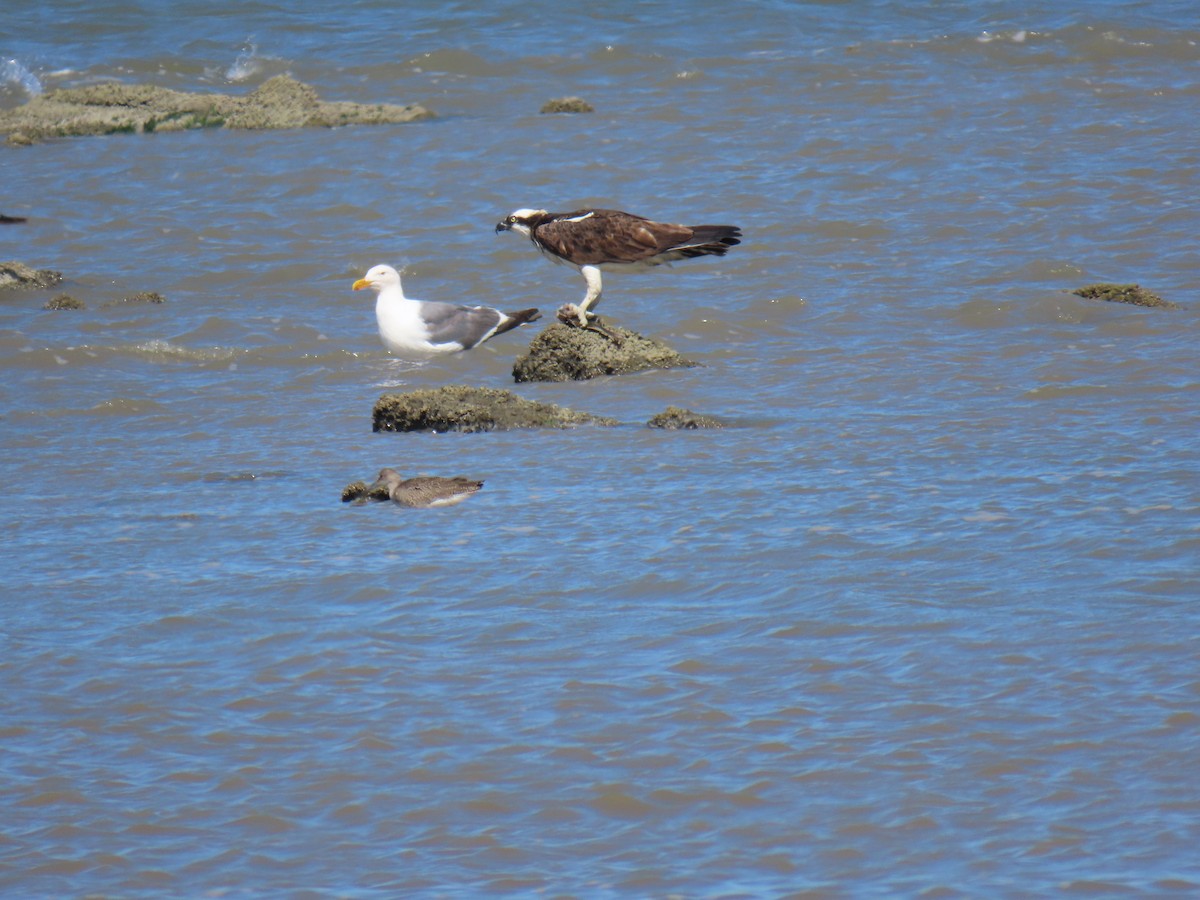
[567, 105]
[65, 301]
[280, 102]
[1124, 293]
[362, 493]
[568, 353]
[139, 297]
[675, 418]
[113, 108]
[19, 275]
[460, 408]
[355, 490]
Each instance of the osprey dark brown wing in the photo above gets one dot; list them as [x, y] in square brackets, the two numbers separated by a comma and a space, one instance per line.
[592, 237]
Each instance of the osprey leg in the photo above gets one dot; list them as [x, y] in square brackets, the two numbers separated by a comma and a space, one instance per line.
[592, 275]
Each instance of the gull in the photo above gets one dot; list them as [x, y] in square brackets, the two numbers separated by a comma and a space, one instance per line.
[420, 328]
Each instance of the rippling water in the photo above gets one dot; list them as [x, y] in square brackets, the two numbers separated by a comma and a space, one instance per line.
[921, 621]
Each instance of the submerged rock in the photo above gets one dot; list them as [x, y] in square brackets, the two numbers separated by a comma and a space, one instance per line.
[355, 490]
[361, 492]
[569, 353]
[19, 275]
[1124, 293]
[567, 105]
[460, 408]
[113, 108]
[64, 301]
[139, 297]
[673, 417]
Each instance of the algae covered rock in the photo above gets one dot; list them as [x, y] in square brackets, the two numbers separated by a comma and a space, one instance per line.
[675, 418]
[64, 301]
[140, 297]
[114, 108]
[567, 105]
[1124, 293]
[18, 275]
[355, 490]
[568, 353]
[110, 108]
[460, 408]
[280, 102]
[361, 492]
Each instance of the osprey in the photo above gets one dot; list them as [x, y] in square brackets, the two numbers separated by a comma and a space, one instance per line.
[590, 238]
[416, 328]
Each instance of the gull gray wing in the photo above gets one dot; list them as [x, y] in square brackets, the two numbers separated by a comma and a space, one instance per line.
[465, 325]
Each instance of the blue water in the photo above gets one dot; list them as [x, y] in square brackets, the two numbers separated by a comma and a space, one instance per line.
[920, 621]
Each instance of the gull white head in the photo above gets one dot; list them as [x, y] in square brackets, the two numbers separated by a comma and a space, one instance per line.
[378, 278]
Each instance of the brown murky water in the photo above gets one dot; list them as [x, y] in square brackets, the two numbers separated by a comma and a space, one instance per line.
[920, 622]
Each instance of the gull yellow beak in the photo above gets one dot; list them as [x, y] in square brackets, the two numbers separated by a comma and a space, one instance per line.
[361, 283]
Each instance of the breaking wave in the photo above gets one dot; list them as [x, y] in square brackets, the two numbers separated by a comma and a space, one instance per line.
[12, 73]
[247, 65]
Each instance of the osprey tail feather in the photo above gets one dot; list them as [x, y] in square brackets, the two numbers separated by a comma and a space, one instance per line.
[710, 240]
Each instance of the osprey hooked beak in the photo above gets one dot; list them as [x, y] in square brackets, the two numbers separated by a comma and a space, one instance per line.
[519, 221]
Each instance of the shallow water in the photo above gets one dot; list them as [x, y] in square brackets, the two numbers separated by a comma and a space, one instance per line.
[920, 621]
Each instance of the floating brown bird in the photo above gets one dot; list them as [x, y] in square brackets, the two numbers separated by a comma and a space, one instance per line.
[425, 490]
[590, 238]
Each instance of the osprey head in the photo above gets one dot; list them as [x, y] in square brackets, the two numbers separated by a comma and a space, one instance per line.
[521, 221]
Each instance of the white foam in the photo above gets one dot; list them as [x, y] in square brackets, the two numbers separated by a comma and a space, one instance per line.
[12, 72]
[247, 64]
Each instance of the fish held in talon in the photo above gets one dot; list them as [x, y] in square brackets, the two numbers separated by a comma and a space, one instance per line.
[420, 328]
[591, 238]
[425, 491]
